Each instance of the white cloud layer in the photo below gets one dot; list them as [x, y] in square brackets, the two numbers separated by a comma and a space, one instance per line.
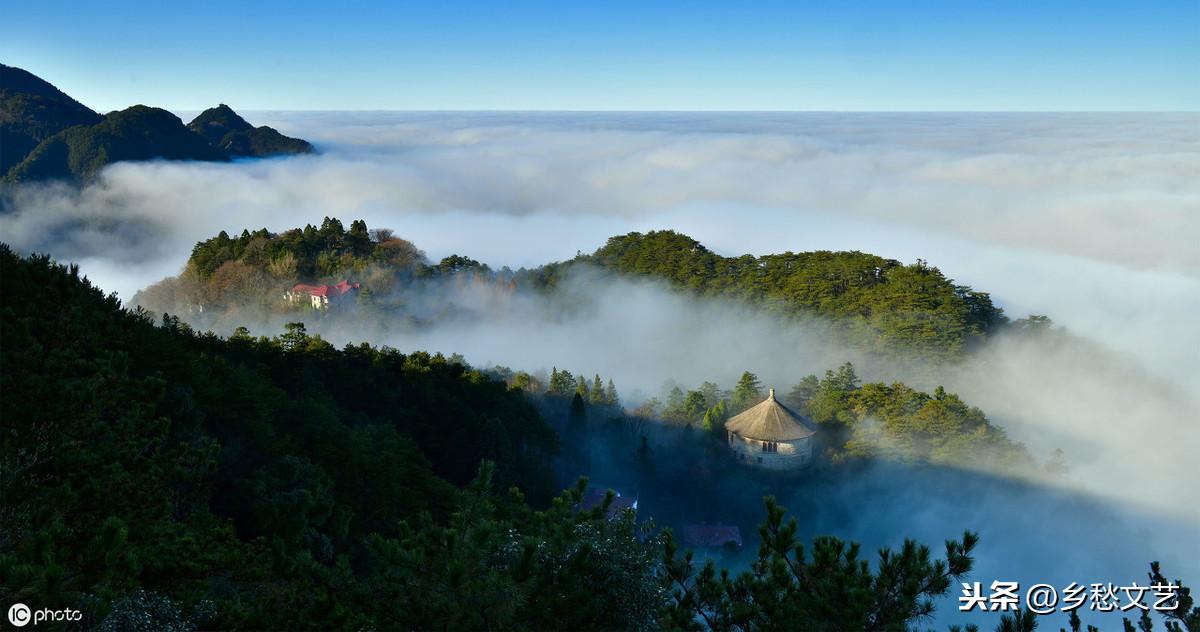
[1091, 219]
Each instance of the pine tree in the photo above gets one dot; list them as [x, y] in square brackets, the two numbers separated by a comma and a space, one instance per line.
[802, 392]
[610, 395]
[799, 583]
[693, 405]
[295, 338]
[675, 405]
[715, 418]
[562, 383]
[747, 392]
[596, 396]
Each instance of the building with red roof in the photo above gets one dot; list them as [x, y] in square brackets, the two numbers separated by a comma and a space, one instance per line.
[321, 296]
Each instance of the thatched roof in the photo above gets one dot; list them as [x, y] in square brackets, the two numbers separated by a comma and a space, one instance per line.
[771, 421]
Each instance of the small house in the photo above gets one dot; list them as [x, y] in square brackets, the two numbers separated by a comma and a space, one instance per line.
[321, 296]
[772, 436]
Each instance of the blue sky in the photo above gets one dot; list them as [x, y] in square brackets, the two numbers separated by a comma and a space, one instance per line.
[299, 55]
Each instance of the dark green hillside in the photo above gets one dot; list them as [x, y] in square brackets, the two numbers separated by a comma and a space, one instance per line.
[214, 123]
[155, 479]
[136, 133]
[135, 455]
[308, 252]
[45, 134]
[263, 141]
[32, 110]
[880, 304]
[222, 127]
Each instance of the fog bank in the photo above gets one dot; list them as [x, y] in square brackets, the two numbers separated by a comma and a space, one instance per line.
[1090, 219]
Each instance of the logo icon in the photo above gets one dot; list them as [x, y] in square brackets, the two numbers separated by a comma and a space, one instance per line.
[19, 615]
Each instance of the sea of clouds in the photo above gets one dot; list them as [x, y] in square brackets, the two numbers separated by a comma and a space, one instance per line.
[1092, 219]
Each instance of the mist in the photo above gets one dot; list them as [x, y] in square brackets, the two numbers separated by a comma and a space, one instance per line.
[1091, 219]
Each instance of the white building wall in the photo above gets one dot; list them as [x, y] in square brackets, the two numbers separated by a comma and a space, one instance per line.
[788, 455]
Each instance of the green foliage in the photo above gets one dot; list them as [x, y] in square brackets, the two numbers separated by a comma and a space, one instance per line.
[858, 421]
[694, 406]
[831, 588]
[263, 141]
[802, 392]
[596, 393]
[747, 392]
[503, 567]
[248, 472]
[458, 263]
[898, 422]
[715, 418]
[1186, 613]
[136, 133]
[562, 383]
[148, 612]
[161, 479]
[214, 123]
[46, 134]
[878, 304]
[223, 128]
[32, 110]
[307, 253]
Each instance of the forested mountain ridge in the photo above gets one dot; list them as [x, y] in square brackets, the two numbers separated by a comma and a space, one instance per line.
[223, 128]
[158, 479]
[48, 135]
[144, 456]
[856, 420]
[175, 480]
[136, 133]
[875, 304]
[888, 307]
[32, 110]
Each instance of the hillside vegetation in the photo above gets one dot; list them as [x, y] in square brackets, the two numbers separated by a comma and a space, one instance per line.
[223, 128]
[32, 110]
[47, 135]
[874, 304]
[136, 133]
[156, 477]
[878, 304]
[860, 422]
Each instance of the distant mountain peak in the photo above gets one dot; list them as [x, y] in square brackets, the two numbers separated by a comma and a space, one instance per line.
[32, 110]
[214, 123]
[138, 132]
[224, 128]
[48, 135]
[17, 80]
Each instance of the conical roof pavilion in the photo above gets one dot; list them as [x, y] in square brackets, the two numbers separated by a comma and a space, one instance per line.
[771, 421]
